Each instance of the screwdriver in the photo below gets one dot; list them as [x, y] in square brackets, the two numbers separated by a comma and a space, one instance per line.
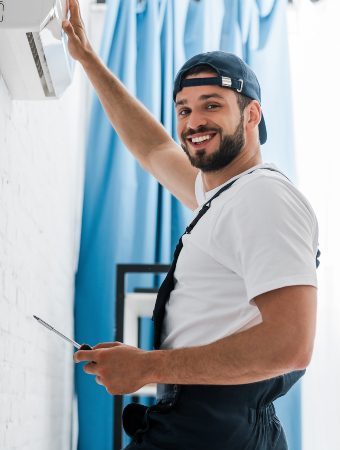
[49, 327]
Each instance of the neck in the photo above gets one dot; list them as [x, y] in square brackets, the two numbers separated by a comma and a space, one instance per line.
[213, 179]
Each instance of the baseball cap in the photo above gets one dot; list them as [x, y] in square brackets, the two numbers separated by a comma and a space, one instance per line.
[232, 72]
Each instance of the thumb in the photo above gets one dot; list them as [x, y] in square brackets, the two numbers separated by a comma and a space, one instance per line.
[68, 28]
[107, 345]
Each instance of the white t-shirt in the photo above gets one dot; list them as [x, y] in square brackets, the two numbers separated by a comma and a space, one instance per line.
[261, 234]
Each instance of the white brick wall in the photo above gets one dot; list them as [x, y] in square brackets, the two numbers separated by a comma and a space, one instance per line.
[41, 184]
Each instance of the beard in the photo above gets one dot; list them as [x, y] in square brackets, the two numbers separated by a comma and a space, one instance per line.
[230, 147]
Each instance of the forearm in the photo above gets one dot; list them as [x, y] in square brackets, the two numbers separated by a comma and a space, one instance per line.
[252, 355]
[137, 128]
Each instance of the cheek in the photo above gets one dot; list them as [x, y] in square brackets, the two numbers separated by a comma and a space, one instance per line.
[180, 130]
[229, 126]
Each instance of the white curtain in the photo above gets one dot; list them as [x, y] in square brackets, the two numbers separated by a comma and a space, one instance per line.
[314, 32]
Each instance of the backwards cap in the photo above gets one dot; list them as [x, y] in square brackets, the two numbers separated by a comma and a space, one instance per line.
[232, 72]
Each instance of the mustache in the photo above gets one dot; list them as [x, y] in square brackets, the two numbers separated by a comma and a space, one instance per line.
[201, 129]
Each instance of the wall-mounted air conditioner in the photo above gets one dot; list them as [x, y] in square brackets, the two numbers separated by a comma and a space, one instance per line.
[34, 61]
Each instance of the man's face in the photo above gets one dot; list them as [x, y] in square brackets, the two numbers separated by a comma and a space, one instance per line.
[210, 125]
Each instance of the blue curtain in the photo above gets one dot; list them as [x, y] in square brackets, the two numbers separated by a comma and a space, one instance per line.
[127, 216]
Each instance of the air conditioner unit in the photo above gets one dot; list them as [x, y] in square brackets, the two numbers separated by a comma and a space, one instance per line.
[34, 60]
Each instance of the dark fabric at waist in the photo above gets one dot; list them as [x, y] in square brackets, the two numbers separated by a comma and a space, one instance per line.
[252, 393]
[237, 417]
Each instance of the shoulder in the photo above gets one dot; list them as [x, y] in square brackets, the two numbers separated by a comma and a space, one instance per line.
[263, 183]
[269, 191]
[265, 202]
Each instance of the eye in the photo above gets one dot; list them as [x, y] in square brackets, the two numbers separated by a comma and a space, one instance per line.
[183, 112]
[212, 106]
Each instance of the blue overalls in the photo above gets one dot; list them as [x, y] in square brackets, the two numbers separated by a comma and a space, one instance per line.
[207, 417]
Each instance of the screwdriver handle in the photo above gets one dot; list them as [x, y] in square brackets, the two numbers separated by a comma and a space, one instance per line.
[85, 347]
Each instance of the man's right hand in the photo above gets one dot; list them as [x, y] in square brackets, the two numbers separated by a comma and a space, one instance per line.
[78, 44]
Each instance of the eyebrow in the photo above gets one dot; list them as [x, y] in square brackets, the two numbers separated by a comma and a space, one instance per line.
[201, 98]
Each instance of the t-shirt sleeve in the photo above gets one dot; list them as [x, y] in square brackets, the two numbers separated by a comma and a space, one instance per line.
[268, 235]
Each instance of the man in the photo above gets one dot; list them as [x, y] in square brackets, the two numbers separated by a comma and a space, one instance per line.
[235, 318]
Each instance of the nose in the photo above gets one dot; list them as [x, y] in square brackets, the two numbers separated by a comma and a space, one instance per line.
[196, 120]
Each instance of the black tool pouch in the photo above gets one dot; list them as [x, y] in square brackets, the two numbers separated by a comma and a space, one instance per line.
[136, 417]
[133, 418]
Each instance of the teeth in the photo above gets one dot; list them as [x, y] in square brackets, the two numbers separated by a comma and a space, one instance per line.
[201, 138]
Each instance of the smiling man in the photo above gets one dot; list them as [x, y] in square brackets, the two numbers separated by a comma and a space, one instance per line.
[210, 135]
[234, 320]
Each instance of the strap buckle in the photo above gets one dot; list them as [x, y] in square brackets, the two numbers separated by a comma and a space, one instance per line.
[241, 85]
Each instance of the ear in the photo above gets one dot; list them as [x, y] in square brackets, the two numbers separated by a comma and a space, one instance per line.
[254, 114]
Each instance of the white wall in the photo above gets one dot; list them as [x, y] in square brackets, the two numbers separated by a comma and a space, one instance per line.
[315, 62]
[41, 185]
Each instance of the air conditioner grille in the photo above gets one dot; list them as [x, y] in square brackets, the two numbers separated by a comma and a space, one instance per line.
[40, 63]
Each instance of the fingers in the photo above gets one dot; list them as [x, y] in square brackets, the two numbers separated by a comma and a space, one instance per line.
[91, 368]
[68, 28]
[75, 11]
[99, 380]
[84, 355]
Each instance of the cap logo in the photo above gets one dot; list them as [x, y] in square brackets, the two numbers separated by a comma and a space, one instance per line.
[226, 81]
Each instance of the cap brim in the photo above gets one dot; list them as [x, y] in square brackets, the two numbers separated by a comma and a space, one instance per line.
[262, 131]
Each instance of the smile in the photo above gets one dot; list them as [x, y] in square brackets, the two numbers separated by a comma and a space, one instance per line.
[198, 140]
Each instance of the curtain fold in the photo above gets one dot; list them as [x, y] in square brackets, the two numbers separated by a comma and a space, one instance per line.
[106, 216]
[127, 216]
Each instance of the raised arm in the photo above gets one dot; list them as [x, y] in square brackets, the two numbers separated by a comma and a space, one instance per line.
[142, 134]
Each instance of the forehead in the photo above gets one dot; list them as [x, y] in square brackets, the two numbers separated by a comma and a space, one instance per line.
[190, 94]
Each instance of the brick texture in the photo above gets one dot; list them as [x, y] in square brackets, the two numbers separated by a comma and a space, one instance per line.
[41, 184]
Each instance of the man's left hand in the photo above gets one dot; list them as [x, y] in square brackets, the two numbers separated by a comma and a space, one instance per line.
[120, 368]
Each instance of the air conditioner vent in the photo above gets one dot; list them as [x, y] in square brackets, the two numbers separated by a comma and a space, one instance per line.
[40, 63]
